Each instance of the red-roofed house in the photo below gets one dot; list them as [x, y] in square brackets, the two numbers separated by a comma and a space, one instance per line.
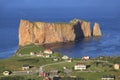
[48, 51]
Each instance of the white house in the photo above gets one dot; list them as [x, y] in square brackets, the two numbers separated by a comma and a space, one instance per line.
[48, 51]
[55, 59]
[32, 53]
[39, 55]
[86, 57]
[80, 66]
[25, 67]
[6, 73]
[46, 55]
[65, 57]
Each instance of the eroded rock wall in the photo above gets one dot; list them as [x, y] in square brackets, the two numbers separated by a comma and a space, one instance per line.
[42, 32]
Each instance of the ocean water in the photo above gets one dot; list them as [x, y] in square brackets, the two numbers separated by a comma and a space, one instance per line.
[108, 44]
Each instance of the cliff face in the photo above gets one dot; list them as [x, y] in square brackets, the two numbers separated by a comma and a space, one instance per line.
[41, 32]
[96, 30]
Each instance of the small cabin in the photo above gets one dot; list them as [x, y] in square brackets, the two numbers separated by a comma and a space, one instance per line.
[25, 67]
[6, 73]
[65, 57]
[42, 74]
[85, 57]
[54, 72]
[48, 51]
[46, 55]
[116, 66]
[32, 53]
[56, 59]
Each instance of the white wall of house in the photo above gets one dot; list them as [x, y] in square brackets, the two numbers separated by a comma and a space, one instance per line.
[79, 67]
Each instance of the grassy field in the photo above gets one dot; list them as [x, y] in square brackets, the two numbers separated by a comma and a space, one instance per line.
[29, 48]
[101, 68]
[27, 77]
[16, 63]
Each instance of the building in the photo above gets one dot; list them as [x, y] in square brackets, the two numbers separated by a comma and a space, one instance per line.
[55, 59]
[86, 57]
[6, 73]
[108, 77]
[69, 60]
[54, 72]
[46, 56]
[32, 53]
[116, 66]
[48, 51]
[39, 55]
[65, 57]
[25, 67]
[80, 66]
[42, 74]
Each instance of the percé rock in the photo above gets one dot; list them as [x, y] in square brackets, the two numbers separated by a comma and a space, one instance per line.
[42, 32]
[96, 30]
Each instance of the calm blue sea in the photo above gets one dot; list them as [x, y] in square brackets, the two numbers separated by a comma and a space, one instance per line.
[108, 44]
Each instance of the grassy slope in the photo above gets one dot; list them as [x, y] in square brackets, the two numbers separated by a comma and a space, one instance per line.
[29, 48]
[15, 63]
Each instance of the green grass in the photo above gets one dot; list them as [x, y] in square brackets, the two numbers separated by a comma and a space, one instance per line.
[104, 68]
[16, 63]
[88, 76]
[29, 48]
[26, 77]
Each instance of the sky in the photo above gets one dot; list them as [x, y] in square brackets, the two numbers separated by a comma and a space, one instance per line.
[109, 7]
[10, 4]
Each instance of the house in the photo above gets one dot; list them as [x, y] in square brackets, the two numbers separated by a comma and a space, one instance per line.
[46, 55]
[48, 51]
[25, 67]
[54, 72]
[42, 74]
[32, 53]
[55, 59]
[116, 66]
[108, 77]
[65, 57]
[86, 57]
[69, 60]
[80, 66]
[39, 55]
[6, 73]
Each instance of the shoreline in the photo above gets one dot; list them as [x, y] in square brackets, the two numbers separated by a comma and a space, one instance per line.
[11, 53]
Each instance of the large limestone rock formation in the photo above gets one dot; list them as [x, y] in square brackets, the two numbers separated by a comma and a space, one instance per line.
[96, 30]
[42, 33]
[85, 26]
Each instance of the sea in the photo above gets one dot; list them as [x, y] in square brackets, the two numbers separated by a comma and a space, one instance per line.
[106, 45]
